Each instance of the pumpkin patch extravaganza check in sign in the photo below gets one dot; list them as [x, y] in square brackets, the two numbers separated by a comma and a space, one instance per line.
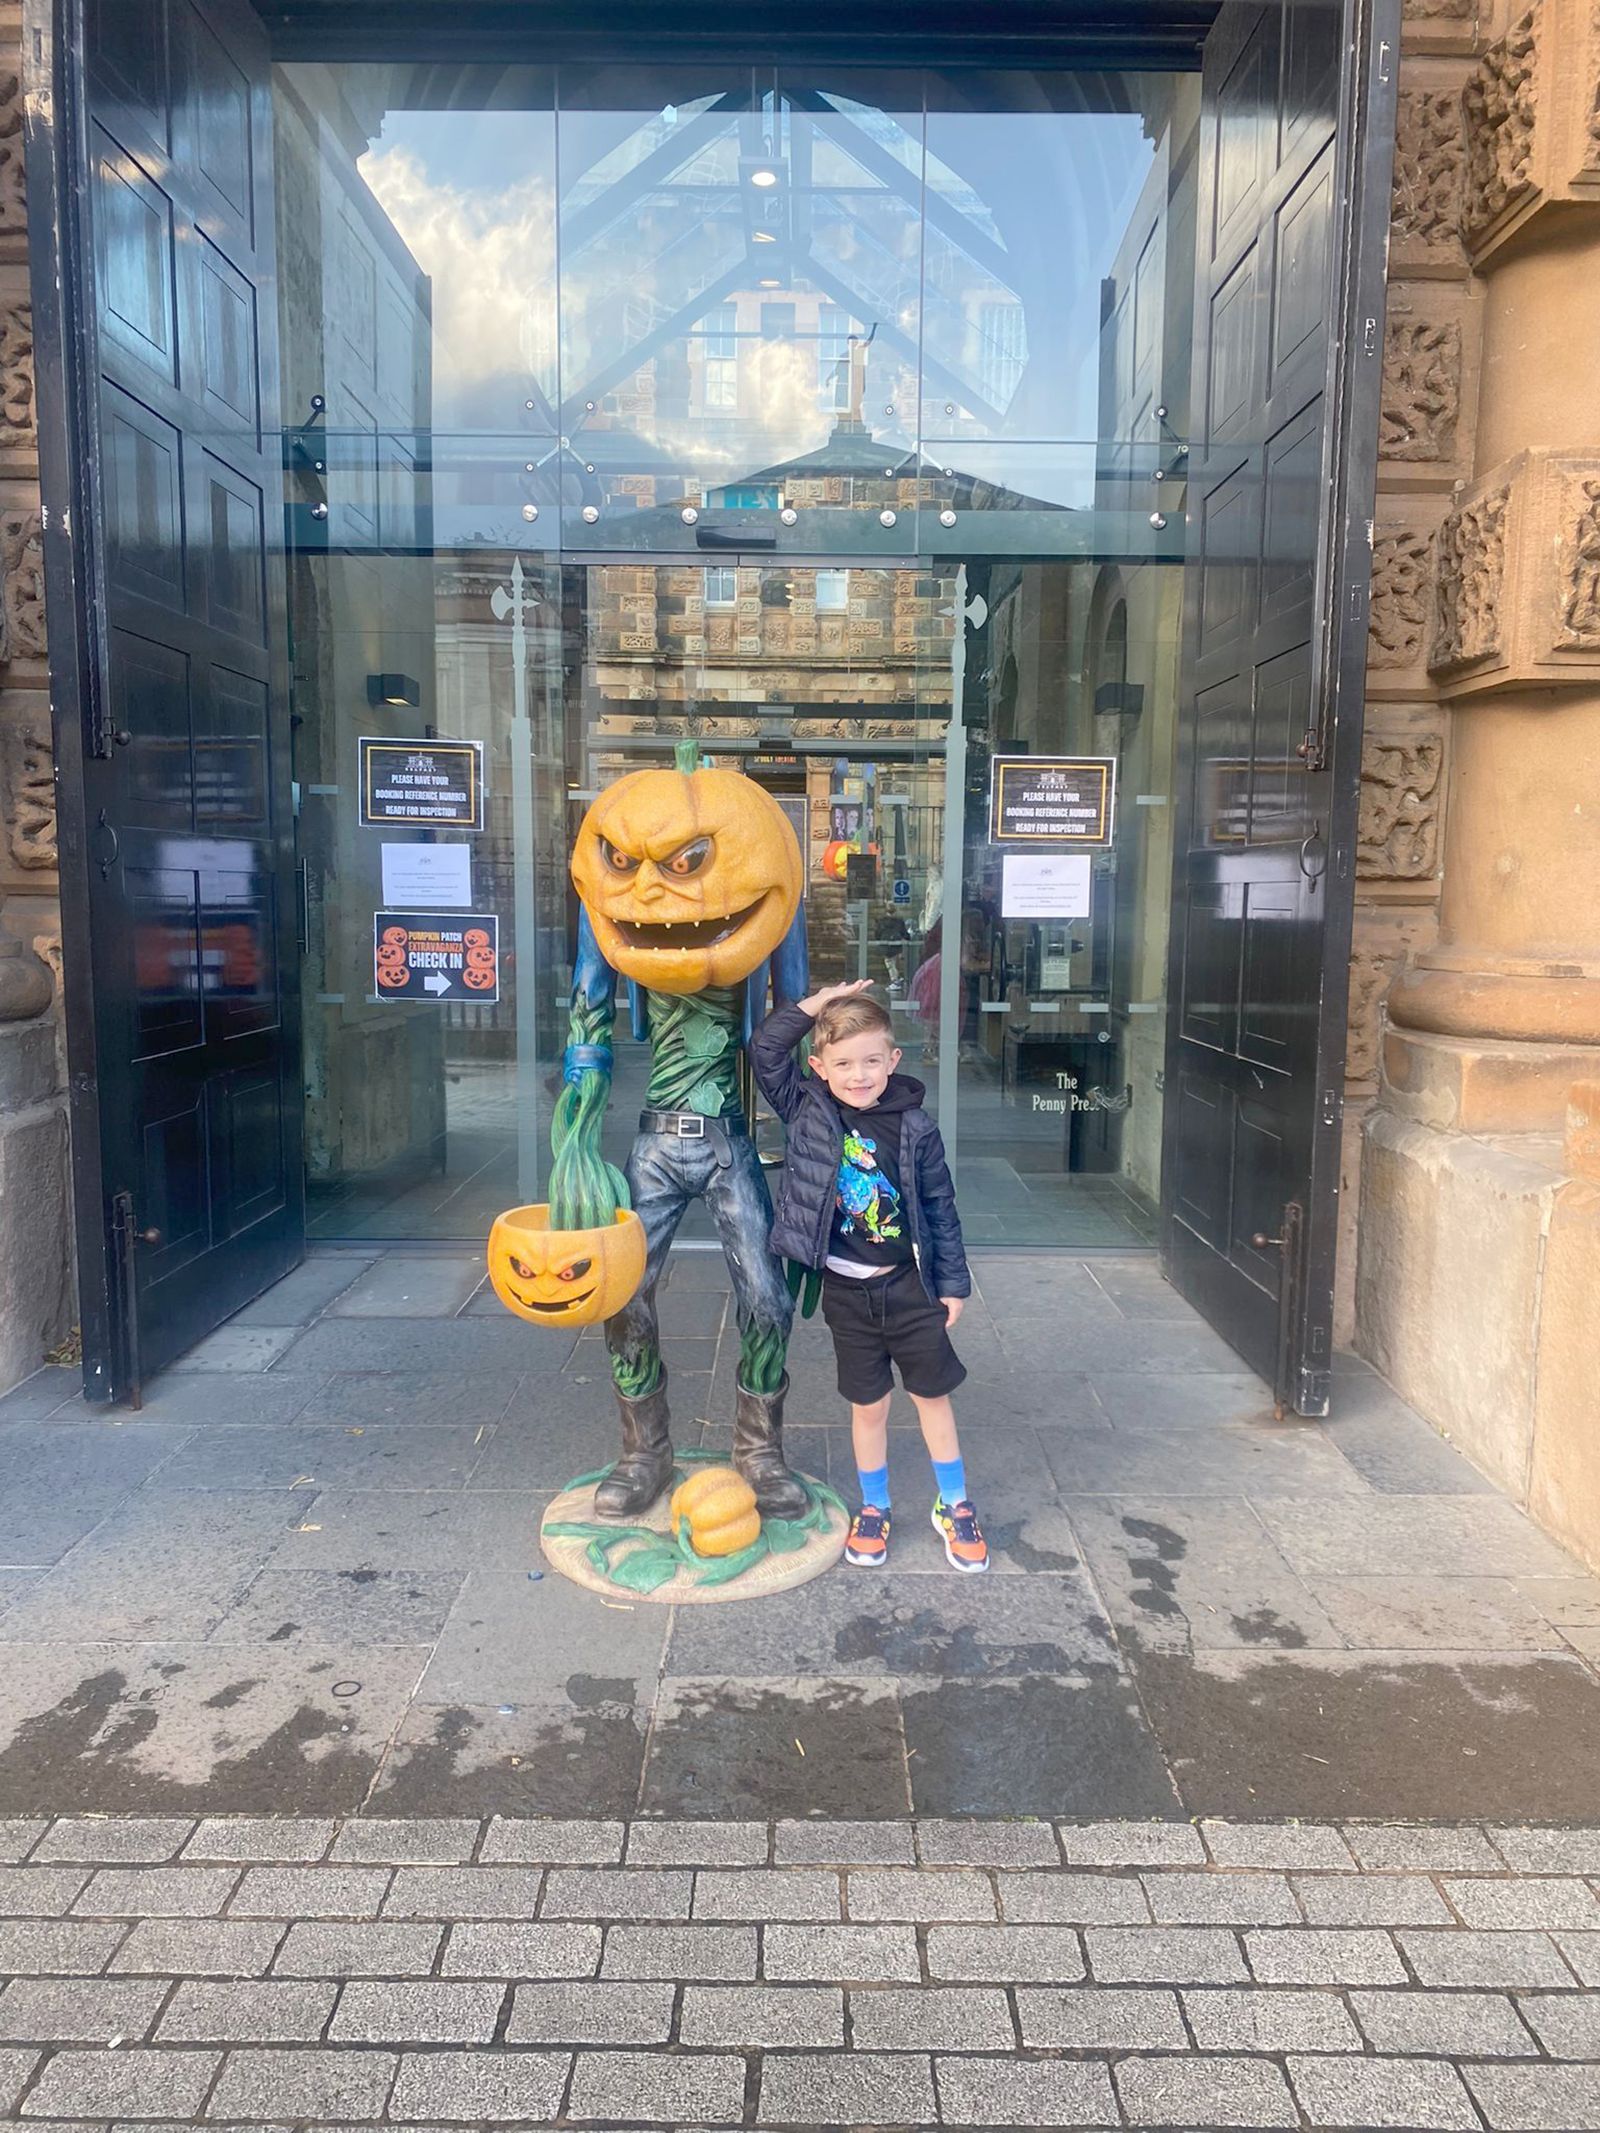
[1051, 799]
[421, 955]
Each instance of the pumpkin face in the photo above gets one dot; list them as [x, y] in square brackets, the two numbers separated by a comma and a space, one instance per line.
[719, 1508]
[690, 878]
[564, 1277]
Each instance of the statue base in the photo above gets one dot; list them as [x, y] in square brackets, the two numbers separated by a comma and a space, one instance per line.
[641, 1561]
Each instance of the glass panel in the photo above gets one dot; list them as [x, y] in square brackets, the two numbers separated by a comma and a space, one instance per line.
[839, 419]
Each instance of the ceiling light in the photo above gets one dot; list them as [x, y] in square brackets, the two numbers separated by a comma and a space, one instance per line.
[771, 282]
[763, 177]
[762, 237]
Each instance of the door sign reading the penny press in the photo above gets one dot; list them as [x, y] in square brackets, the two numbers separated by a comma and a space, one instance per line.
[429, 955]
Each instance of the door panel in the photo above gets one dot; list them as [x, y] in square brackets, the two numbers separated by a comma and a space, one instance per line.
[186, 1051]
[1294, 187]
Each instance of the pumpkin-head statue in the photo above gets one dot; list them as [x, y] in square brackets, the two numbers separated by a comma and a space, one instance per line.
[690, 877]
[564, 1277]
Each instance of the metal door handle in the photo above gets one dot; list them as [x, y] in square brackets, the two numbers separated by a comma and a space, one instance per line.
[107, 860]
[1314, 873]
[1261, 1242]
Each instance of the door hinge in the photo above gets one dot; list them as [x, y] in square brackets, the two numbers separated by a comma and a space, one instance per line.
[1332, 1106]
[1369, 336]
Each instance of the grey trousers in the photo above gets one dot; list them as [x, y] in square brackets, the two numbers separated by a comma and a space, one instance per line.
[666, 1172]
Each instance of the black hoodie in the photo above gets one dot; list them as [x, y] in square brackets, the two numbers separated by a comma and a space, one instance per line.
[816, 1130]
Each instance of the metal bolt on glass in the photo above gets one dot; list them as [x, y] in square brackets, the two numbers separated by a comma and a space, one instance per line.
[690, 515]
[887, 518]
[591, 513]
[530, 512]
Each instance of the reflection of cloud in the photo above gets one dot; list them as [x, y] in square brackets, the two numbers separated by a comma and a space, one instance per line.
[491, 258]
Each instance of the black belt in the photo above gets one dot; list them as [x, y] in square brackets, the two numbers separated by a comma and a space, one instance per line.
[691, 1125]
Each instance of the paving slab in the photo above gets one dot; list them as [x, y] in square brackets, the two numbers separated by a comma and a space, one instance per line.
[325, 1454]
[1196, 1574]
[1256, 1460]
[164, 1564]
[527, 1759]
[60, 1480]
[341, 1608]
[520, 1641]
[358, 1399]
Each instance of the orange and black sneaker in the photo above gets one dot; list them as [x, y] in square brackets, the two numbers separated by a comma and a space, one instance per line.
[964, 1545]
[867, 1544]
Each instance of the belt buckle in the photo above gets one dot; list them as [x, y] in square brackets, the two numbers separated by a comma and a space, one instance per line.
[691, 1126]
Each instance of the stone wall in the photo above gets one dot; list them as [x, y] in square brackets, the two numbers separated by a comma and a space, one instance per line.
[1476, 999]
[36, 1302]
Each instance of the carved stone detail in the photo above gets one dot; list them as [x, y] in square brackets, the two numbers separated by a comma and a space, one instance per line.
[1401, 562]
[1430, 164]
[1470, 576]
[1378, 954]
[1438, 10]
[1500, 107]
[1580, 568]
[16, 376]
[1421, 389]
[22, 633]
[30, 791]
[1398, 834]
[13, 172]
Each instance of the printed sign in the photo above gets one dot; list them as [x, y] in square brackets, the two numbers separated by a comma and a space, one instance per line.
[438, 782]
[1046, 885]
[902, 889]
[437, 876]
[417, 955]
[1051, 799]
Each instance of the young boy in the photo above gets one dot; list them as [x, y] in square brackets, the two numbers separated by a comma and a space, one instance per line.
[866, 1196]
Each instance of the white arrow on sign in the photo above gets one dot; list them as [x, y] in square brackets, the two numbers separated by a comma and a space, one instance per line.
[434, 982]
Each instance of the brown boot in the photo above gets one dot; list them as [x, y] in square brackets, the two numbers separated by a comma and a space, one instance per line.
[645, 1467]
[758, 1453]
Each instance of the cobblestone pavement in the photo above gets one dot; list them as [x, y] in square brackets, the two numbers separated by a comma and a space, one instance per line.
[304, 1578]
[804, 1973]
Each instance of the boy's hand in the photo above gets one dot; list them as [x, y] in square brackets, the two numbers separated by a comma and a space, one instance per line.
[953, 1308]
[819, 1000]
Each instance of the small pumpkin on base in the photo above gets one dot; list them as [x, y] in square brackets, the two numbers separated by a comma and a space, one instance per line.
[565, 1277]
[719, 1508]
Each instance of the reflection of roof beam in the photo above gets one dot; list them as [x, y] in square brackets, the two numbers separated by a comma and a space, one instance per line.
[587, 223]
[858, 144]
[933, 370]
[624, 365]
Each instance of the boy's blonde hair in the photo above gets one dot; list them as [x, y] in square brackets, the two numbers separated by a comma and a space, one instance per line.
[850, 1018]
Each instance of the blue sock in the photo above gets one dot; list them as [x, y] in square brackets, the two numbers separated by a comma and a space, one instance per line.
[951, 1476]
[874, 1486]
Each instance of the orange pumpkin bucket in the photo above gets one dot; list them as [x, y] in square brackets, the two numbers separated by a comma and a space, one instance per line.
[564, 1277]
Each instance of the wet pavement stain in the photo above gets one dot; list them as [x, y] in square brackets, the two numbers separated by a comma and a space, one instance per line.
[1264, 1625]
[741, 1748]
[1158, 1594]
[1008, 1542]
[85, 1756]
[1336, 1735]
[924, 1642]
[1077, 1746]
[461, 1760]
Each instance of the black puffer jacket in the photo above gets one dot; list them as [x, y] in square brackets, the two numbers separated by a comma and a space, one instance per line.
[816, 1144]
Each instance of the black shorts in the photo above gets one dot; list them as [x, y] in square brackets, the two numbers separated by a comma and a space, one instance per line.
[889, 1319]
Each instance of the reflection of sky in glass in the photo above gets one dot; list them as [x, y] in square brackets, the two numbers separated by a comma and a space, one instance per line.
[977, 256]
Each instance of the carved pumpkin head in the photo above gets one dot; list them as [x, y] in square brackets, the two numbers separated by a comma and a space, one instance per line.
[564, 1277]
[690, 877]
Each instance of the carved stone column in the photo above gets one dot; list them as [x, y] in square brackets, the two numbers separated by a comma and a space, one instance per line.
[1513, 642]
[1480, 1218]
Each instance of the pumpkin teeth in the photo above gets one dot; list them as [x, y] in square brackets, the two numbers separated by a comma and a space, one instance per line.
[683, 932]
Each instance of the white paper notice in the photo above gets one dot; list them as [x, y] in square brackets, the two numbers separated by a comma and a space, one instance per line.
[1045, 885]
[428, 877]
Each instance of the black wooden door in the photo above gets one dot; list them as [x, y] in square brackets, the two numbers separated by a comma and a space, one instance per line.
[167, 633]
[1296, 142]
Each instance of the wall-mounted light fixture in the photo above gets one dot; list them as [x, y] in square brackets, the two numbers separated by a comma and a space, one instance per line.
[396, 689]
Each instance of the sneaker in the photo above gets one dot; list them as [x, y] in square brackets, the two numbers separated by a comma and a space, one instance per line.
[867, 1544]
[964, 1545]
